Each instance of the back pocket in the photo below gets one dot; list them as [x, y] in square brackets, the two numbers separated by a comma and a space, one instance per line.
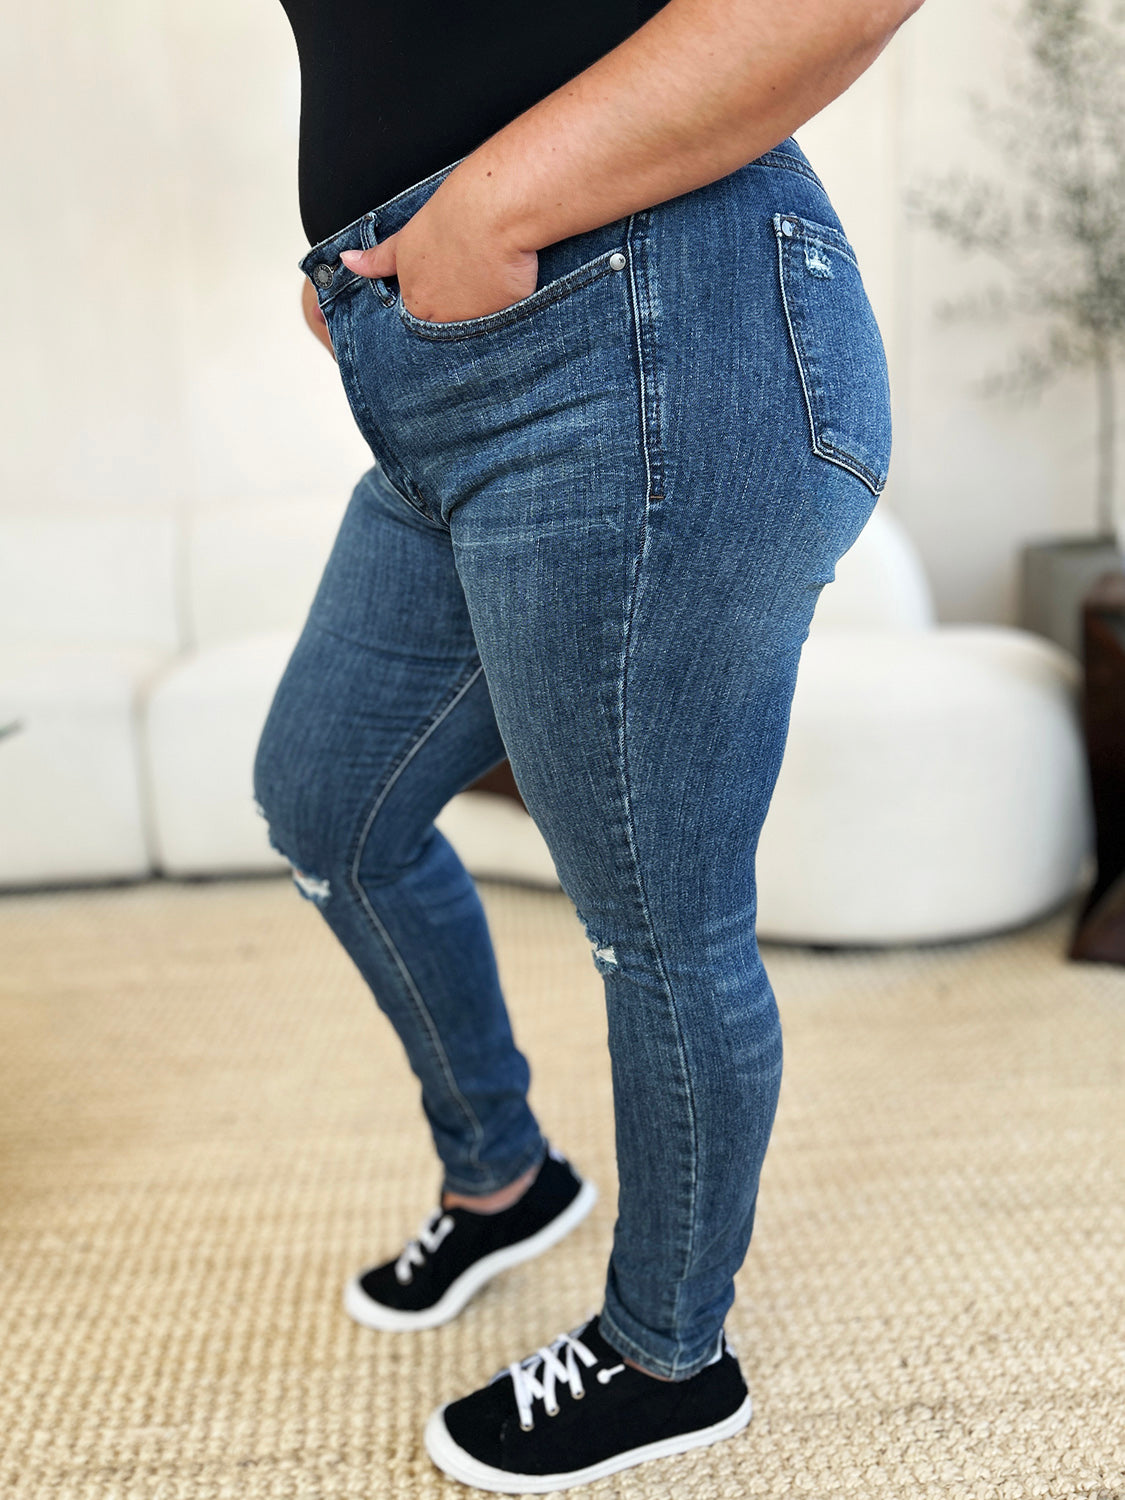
[838, 349]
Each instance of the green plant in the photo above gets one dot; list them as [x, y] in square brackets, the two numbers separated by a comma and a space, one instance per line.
[1058, 225]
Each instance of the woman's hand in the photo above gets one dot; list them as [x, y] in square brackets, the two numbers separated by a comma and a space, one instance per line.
[313, 315]
[448, 263]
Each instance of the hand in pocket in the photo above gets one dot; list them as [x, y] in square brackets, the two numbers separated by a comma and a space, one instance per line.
[451, 262]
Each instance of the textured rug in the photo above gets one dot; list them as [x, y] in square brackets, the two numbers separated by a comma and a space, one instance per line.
[206, 1127]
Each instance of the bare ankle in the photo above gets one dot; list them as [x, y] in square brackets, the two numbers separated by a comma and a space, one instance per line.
[634, 1366]
[491, 1203]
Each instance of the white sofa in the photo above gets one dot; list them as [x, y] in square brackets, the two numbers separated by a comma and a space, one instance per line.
[933, 786]
[88, 617]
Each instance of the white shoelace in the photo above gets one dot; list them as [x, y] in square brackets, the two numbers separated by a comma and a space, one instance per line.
[536, 1377]
[433, 1230]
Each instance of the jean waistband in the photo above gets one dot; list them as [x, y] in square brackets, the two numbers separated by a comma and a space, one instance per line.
[322, 262]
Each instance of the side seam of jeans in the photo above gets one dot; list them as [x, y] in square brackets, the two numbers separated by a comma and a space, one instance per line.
[645, 296]
[645, 310]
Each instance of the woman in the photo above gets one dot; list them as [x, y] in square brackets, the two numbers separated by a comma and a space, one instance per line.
[628, 406]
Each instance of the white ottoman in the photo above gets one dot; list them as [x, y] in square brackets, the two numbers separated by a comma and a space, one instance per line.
[934, 786]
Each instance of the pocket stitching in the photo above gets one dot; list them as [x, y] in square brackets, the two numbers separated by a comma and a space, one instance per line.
[381, 291]
[818, 234]
[828, 451]
[581, 276]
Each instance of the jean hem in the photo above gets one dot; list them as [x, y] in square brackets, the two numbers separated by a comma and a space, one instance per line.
[494, 1181]
[676, 1369]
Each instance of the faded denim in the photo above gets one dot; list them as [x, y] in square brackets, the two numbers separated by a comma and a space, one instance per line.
[592, 540]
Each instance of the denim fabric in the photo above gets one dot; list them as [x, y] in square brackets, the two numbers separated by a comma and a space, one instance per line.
[592, 540]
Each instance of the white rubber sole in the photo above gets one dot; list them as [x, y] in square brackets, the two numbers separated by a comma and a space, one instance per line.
[358, 1305]
[454, 1461]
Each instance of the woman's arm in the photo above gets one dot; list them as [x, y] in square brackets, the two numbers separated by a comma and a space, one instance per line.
[702, 88]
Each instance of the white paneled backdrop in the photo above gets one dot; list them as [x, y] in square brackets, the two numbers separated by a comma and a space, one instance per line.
[153, 354]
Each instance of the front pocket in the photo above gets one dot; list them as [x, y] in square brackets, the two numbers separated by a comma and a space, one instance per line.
[838, 348]
[607, 264]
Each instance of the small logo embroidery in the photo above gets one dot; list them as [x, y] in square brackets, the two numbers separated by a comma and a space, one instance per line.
[605, 1376]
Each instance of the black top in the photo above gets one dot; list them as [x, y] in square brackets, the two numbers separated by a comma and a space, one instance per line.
[393, 90]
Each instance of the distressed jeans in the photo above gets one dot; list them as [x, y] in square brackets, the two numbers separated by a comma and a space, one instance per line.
[592, 539]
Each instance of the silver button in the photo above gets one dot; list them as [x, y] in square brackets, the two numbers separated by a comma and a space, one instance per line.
[323, 274]
[617, 261]
[786, 228]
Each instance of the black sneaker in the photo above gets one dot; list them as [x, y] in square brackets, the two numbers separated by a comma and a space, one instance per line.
[457, 1251]
[530, 1430]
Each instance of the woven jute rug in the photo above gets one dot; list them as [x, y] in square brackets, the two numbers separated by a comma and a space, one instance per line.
[206, 1127]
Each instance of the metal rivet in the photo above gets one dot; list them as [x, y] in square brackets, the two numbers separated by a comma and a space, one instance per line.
[323, 274]
[617, 261]
[786, 228]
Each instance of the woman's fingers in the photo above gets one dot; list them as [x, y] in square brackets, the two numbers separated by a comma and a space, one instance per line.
[378, 261]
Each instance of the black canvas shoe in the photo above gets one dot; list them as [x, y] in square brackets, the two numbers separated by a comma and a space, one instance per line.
[575, 1412]
[457, 1251]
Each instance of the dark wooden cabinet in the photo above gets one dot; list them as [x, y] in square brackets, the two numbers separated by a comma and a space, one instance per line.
[1100, 935]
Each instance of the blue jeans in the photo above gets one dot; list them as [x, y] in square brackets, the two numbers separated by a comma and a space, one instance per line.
[592, 541]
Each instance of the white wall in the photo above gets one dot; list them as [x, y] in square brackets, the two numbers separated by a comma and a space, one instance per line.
[153, 354]
[152, 349]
